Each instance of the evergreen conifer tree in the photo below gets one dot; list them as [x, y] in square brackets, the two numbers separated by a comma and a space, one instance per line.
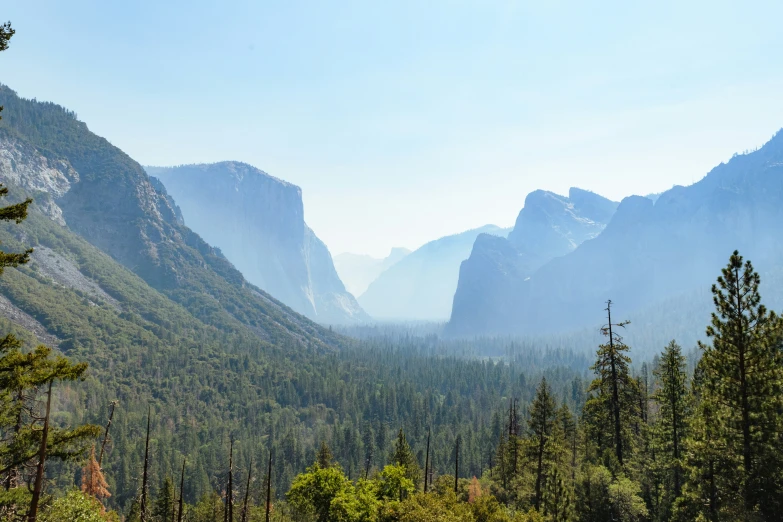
[324, 457]
[674, 410]
[741, 388]
[403, 456]
[543, 417]
[162, 508]
[613, 408]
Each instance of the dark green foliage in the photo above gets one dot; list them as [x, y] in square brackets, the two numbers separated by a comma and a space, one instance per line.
[741, 398]
[674, 413]
[6, 32]
[557, 501]
[24, 422]
[324, 458]
[403, 457]
[612, 411]
[543, 416]
[17, 213]
[163, 507]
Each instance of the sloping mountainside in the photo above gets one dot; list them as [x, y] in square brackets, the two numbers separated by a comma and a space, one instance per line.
[358, 271]
[548, 226]
[421, 286]
[107, 198]
[257, 221]
[650, 252]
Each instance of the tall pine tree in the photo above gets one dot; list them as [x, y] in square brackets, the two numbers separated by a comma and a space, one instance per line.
[674, 409]
[543, 418]
[403, 456]
[612, 411]
[742, 387]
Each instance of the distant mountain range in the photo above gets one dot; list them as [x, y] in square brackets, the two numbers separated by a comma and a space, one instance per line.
[421, 286]
[651, 255]
[257, 222]
[357, 271]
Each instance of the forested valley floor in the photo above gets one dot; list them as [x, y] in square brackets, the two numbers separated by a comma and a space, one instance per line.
[398, 428]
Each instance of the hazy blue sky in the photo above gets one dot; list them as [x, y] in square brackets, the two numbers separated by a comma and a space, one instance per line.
[404, 121]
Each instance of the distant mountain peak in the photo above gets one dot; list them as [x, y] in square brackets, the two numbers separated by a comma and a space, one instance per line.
[257, 221]
[421, 286]
[650, 252]
[548, 226]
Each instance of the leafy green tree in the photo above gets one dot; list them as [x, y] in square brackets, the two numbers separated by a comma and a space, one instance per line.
[358, 504]
[742, 388]
[592, 490]
[430, 507]
[393, 483]
[77, 506]
[602, 497]
[313, 493]
[625, 503]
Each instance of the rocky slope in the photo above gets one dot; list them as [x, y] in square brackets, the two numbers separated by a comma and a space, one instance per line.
[357, 271]
[88, 187]
[257, 222]
[421, 286]
[650, 252]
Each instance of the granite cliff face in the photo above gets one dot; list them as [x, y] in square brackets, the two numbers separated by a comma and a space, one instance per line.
[358, 271]
[548, 226]
[651, 252]
[257, 222]
[23, 166]
[421, 286]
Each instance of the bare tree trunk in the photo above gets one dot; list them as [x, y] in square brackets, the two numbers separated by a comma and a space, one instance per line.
[146, 467]
[106, 433]
[427, 460]
[12, 480]
[269, 487]
[39, 473]
[456, 466]
[247, 492]
[516, 439]
[230, 492]
[181, 491]
[615, 391]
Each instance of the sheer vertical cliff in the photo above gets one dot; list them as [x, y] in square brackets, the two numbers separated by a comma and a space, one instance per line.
[257, 221]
